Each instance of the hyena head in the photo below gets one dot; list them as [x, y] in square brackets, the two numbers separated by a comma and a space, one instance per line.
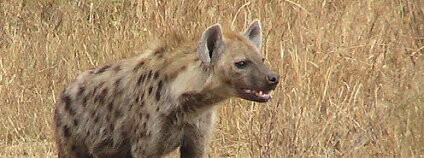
[236, 62]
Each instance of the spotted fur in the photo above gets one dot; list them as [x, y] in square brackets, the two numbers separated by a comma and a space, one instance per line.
[149, 105]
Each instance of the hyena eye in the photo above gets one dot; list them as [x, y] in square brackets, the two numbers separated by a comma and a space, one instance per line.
[241, 64]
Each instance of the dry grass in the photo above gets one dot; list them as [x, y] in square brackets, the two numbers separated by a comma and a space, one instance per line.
[352, 71]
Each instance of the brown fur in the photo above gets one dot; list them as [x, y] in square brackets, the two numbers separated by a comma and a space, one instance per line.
[148, 105]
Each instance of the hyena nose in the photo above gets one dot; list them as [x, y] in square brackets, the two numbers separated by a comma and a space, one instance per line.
[273, 78]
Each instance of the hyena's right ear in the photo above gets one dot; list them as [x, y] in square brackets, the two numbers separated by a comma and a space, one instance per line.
[211, 45]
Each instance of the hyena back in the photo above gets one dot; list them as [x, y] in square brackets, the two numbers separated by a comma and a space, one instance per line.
[149, 105]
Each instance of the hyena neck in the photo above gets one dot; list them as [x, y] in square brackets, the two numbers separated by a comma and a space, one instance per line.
[198, 102]
[196, 89]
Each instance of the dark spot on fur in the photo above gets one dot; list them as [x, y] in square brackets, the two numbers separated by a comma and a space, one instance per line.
[104, 92]
[117, 93]
[110, 106]
[117, 114]
[150, 90]
[185, 109]
[228, 82]
[96, 119]
[101, 97]
[101, 84]
[80, 90]
[117, 68]
[91, 94]
[142, 103]
[103, 69]
[66, 131]
[140, 98]
[140, 79]
[97, 87]
[165, 78]
[107, 117]
[67, 100]
[111, 127]
[73, 147]
[76, 122]
[160, 51]
[117, 82]
[93, 113]
[191, 108]
[171, 76]
[174, 74]
[172, 117]
[144, 125]
[137, 99]
[84, 101]
[94, 91]
[147, 116]
[156, 75]
[130, 107]
[157, 96]
[138, 66]
[142, 134]
[157, 108]
[135, 130]
[196, 59]
[124, 134]
[149, 75]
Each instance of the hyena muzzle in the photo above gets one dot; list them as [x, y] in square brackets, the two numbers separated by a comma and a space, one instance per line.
[151, 104]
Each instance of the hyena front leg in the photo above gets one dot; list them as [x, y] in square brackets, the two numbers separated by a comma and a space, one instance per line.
[67, 148]
[70, 149]
[196, 137]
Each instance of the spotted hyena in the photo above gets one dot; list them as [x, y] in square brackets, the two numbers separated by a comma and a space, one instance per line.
[149, 105]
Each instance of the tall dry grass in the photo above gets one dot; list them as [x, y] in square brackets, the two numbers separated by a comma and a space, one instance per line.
[352, 71]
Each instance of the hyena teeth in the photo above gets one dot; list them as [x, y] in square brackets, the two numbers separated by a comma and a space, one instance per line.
[247, 90]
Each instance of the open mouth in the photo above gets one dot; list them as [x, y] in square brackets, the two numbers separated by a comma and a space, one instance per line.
[255, 95]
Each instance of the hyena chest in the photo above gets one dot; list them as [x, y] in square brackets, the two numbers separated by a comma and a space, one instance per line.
[168, 138]
[172, 140]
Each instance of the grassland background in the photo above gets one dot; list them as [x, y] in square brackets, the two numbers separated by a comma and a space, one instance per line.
[352, 73]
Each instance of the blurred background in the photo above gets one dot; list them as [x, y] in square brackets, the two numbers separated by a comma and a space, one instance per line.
[352, 71]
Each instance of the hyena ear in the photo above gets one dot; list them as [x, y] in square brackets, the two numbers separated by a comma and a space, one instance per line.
[211, 45]
[254, 33]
